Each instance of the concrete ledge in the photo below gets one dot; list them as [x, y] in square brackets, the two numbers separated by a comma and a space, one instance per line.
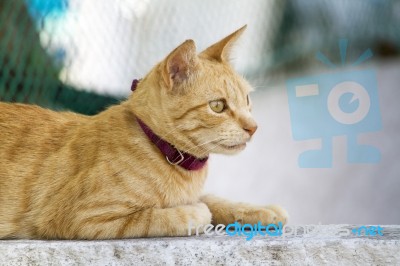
[323, 247]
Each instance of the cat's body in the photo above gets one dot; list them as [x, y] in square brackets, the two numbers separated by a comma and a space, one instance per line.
[63, 169]
[69, 176]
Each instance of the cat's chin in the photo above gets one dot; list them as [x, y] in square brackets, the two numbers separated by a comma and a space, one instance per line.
[233, 149]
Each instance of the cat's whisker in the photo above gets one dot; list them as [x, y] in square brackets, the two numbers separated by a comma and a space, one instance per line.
[259, 87]
[211, 148]
[174, 130]
[199, 145]
[203, 143]
[171, 132]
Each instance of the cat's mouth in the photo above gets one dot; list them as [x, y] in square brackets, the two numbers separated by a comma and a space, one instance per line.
[231, 148]
[240, 146]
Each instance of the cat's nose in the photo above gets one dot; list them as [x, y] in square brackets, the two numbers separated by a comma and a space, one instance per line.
[251, 129]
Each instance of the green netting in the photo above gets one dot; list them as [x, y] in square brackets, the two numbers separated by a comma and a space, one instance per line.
[62, 54]
[28, 74]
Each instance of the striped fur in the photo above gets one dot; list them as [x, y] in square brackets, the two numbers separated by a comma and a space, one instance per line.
[69, 176]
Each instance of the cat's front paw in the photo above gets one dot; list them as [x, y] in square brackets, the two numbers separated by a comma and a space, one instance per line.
[198, 218]
[281, 215]
[271, 214]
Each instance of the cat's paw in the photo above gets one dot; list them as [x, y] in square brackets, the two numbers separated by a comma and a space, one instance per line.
[281, 215]
[271, 214]
[181, 220]
[199, 217]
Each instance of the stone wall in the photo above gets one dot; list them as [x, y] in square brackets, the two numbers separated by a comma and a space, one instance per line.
[326, 246]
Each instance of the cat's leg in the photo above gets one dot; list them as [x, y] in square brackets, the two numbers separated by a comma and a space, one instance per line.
[227, 212]
[153, 222]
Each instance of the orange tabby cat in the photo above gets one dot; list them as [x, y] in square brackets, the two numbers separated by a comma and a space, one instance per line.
[70, 176]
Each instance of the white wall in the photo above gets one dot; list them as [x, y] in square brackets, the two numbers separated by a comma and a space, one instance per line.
[267, 171]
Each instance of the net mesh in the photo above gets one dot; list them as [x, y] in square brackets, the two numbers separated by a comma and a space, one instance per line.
[75, 54]
[29, 72]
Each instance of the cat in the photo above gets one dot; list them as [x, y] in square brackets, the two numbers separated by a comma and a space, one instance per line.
[136, 169]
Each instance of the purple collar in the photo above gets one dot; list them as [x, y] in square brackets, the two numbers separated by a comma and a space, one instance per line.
[172, 155]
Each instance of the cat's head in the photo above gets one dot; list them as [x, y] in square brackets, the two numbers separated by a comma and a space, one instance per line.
[197, 102]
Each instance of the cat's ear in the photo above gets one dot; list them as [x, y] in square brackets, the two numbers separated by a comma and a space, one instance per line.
[221, 50]
[180, 63]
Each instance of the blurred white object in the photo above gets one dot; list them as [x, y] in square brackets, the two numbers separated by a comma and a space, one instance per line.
[108, 43]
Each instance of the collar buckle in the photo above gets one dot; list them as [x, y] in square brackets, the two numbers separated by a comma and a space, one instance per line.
[181, 158]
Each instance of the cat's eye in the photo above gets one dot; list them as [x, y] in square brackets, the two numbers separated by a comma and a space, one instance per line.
[217, 106]
[248, 100]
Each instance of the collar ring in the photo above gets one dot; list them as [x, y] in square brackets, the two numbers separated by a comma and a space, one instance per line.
[181, 158]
